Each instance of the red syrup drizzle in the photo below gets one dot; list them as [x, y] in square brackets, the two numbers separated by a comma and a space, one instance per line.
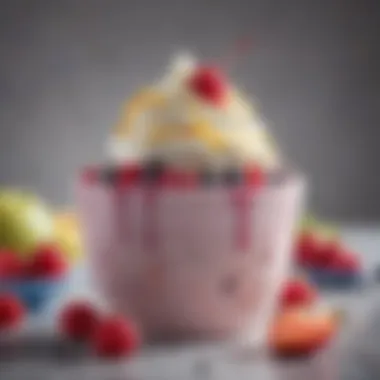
[120, 200]
[127, 178]
[150, 213]
[241, 197]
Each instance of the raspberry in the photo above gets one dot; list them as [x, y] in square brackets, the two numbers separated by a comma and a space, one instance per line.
[78, 320]
[209, 84]
[47, 262]
[306, 249]
[11, 266]
[346, 262]
[12, 311]
[130, 174]
[326, 254]
[115, 337]
[297, 293]
[255, 176]
[179, 179]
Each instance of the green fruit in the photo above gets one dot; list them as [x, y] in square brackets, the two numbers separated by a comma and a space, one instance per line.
[25, 222]
[328, 232]
[309, 223]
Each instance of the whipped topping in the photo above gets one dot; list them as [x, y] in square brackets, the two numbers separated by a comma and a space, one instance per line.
[170, 122]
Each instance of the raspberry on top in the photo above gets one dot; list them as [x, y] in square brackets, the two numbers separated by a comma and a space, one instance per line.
[193, 116]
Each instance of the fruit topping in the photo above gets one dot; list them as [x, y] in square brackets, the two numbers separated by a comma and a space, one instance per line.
[254, 176]
[306, 249]
[130, 174]
[345, 262]
[326, 254]
[209, 84]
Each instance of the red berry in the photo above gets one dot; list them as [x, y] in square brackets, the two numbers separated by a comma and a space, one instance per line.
[346, 262]
[115, 337]
[209, 84]
[306, 249]
[12, 311]
[326, 254]
[179, 179]
[255, 176]
[297, 293]
[47, 262]
[11, 266]
[130, 174]
[78, 320]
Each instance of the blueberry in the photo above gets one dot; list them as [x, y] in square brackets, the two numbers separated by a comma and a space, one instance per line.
[109, 175]
[328, 279]
[153, 170]
[232, 176]
[208, 177]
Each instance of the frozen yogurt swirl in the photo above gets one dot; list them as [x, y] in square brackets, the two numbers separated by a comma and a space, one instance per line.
[192, 117]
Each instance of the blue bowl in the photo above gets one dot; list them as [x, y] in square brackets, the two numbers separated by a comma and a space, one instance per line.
[35, 294]
[333, 279]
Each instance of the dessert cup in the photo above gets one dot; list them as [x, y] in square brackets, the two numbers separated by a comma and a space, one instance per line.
[191, 261]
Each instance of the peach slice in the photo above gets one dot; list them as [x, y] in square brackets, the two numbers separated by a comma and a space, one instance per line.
[298, 332]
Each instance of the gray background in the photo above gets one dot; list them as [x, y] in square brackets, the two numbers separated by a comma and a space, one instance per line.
[67, 65]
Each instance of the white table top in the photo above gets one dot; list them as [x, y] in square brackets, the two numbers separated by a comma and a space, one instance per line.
[355, 355]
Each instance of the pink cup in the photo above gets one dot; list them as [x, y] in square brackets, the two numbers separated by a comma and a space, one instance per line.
[191, 262]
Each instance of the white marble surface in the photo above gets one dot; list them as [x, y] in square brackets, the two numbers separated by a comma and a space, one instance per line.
[37, 354]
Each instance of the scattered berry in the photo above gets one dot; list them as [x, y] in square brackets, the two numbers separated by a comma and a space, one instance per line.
[326, 254]
[297, 293]
[47, 262]
[130, 174]
[78, 320]
[306, 249]
[254, 176]
[12, 311]
[346, 263]
[115, 337]
[209, 84]
[176, 178]
[11, 266]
